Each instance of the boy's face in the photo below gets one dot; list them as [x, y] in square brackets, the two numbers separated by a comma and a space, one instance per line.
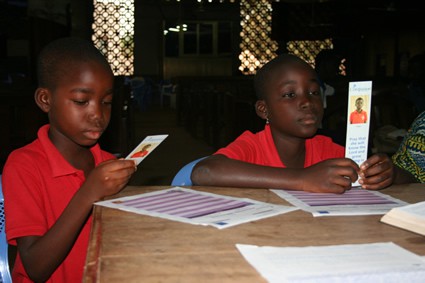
[293, 101]
[80, 106]
[359, 104]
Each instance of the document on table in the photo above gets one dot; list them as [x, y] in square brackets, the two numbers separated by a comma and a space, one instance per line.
[376, 262]
[356, 201]
[196, 207]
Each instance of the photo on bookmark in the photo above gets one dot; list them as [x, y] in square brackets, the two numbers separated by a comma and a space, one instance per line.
[358, 112]
[145, 148]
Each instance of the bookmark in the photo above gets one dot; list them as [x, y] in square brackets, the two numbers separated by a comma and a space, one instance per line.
[145, 147]
[358, 121]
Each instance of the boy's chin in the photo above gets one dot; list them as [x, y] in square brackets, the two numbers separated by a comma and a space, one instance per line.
[89, 143]
[314, 131]
[309, 134]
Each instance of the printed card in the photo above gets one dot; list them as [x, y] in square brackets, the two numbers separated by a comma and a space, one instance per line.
[196, 207]
[145, 147]
[358, 121]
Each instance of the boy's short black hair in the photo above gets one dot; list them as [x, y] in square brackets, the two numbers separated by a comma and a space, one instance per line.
[56, 57]
[261, 78]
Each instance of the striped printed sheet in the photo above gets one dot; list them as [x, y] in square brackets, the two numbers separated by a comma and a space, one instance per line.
[197, 207]
[353, 202]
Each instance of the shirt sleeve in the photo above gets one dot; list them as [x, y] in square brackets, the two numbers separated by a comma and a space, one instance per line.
[243, 148]
[22, 201]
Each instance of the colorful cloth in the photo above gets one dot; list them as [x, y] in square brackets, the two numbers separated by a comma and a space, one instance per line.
[410, 156]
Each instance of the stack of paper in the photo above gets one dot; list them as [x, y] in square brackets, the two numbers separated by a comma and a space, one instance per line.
[379, 262]
[410, 217]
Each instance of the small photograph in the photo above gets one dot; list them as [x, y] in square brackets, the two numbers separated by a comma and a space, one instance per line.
[142, 152]
[146, 147]
[143, 149]
[358, 115]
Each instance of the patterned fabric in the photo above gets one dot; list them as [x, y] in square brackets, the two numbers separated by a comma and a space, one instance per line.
[411, 154]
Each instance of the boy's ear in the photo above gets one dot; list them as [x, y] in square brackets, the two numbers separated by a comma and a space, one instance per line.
[261, 109]
[42, 98]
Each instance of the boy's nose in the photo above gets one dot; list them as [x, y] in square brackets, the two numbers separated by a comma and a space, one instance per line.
[96, 112]
[305, 101]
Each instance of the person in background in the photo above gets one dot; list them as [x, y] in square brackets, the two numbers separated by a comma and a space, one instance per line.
[416, 82]
[288, 154]
[410, 156]
[50, 185]
[327, 63]
[358, 116]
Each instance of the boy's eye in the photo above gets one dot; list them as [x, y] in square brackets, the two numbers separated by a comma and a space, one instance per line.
[107, 100]
[80, 102]
[288, 94]
[314, 93]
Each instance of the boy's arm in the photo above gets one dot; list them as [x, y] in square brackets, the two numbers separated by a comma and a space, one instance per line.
[326, 176]
[41, 255]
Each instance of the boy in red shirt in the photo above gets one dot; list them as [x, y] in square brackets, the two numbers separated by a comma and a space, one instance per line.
[358, 116]
[51, 184]
[288, 154]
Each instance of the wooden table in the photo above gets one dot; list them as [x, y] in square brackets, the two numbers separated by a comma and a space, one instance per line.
[128, 247]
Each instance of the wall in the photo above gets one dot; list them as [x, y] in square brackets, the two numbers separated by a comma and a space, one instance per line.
[175, 67]
[372, 38]
[149, 56]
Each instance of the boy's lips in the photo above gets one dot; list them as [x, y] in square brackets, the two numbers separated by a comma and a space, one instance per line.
[94, 134]
[308, 120]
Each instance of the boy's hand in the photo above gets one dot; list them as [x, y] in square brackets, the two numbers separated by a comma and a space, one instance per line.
[377, 172]
[108, 178]
[330, 176]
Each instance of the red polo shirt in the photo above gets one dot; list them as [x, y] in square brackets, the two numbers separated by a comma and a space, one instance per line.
[358, 117]
[38, 184]
[260, 149]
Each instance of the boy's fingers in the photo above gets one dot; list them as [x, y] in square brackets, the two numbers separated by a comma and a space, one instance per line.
[117, 165]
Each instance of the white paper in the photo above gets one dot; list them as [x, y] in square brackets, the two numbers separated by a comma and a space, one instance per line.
[376, 262]
[195, 207]
[410, 217]
[353, 202]
[145, 147]
[416, 209]
[357, 136]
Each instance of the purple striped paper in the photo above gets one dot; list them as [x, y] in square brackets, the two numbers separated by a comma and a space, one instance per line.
[184, 204]
[351, 197]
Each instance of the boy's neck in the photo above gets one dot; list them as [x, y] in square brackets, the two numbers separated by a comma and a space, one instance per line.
[79, 157]
[291, 152]
[293, 160]
[84, 160]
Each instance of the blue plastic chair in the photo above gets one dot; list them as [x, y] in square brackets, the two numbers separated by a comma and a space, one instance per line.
[4, 259]
[182, 178]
